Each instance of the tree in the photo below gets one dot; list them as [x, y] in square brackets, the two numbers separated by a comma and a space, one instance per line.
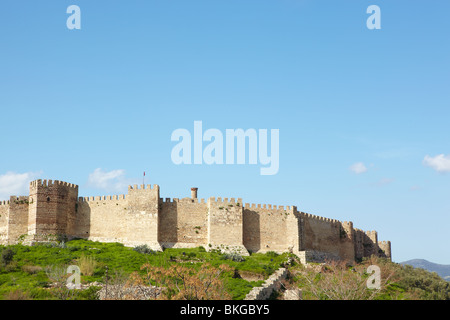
[7, 256]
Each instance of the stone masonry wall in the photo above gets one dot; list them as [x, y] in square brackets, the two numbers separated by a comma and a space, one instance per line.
[142, 217]
[18, 218]
[102, 218]
[183, 223]
[263, 226]
[52, 203]
[366, 244]
[385, 247]
[271, 284]
[330, 236]
[321, 234]
[4, 215]
[131, 220]
[225, 225]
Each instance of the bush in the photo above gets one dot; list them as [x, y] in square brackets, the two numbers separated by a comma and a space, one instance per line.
[233, 256]
[16, 294]
[186, 283]
[7, 256]
[87, 265]
[61, 245]
[272, 254]
[31, 269]
[268, 269]
[144, 249]
[424, 284]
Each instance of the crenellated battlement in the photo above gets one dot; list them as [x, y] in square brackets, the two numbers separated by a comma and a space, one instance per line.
[219, 200]
[319, 218]
[17, 199]
[372, 234]
[4, 203]
[268, 208]
[385, 247]
[119, 197]
[49, 183]
[365, 235]
[183, 200]
[143, 187]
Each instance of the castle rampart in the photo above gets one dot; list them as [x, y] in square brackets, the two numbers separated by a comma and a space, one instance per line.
[142, 217]
[264, 225]
[183, 223]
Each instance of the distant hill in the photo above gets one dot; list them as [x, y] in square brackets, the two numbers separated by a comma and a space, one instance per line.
[441, 269]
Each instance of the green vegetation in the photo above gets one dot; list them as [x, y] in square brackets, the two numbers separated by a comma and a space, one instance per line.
[338, 281]
[29, 272]
[422, 284]
[39, 272]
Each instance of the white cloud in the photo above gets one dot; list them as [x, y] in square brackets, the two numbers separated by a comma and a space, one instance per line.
[358, 168]
[16, 184]
[113, 180]
[440, 163]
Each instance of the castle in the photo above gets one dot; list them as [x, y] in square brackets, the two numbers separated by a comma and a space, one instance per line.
[142, 217]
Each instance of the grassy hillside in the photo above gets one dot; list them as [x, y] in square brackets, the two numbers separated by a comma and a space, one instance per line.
[30, 272]
[39, 272]
[338, 281]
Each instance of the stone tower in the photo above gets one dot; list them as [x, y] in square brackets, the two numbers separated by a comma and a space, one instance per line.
[52, 208]
[142, 217]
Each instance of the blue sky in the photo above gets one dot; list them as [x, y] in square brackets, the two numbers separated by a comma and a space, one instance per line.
[97, 106]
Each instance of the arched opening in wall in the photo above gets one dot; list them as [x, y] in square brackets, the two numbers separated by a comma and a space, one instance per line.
[48, 199]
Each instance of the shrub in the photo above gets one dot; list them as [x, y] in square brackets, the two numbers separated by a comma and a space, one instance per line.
[61, 245]
[184, 283]
[87, 265]
[145, 249]
[272, 254]
[268, 269]
[424, 284]
[7, 256]
[16, 294]
[31, 269]
[233, 256]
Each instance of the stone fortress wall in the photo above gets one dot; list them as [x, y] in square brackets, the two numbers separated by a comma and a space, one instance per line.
[142, 217]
